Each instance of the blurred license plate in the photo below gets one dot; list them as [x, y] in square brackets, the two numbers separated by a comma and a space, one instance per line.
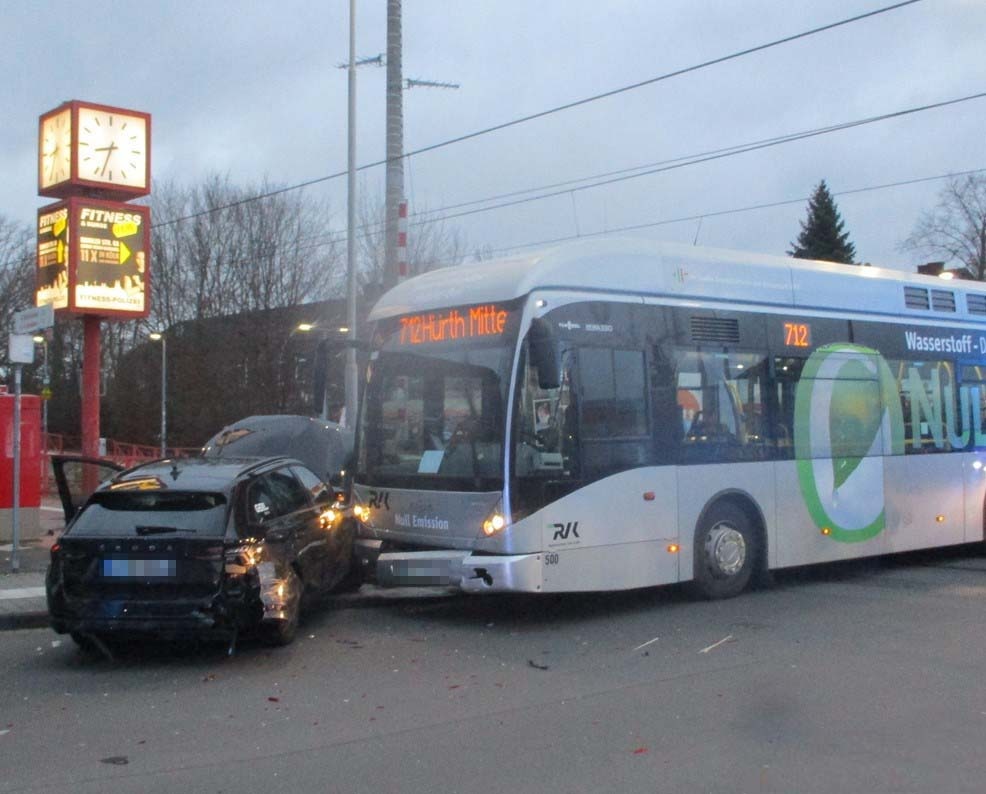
[142, 569]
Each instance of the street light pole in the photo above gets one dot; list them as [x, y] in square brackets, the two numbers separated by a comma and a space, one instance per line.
[45, 392]
[351, 371]
[159, 337]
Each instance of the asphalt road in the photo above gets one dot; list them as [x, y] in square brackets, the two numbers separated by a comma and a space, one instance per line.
[854, 678]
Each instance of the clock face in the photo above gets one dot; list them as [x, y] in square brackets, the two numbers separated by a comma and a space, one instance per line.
[112, 147]
[56, 148]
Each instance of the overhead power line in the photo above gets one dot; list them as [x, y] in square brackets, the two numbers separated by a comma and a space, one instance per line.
[432, 216]
[707, 157]
[738, 148]
[732, 211]
[317, 241]
[560, 108]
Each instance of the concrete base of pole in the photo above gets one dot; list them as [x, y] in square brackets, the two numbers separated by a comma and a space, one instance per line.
[29, 524]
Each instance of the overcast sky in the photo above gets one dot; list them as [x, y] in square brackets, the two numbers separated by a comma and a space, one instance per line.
[253, 89]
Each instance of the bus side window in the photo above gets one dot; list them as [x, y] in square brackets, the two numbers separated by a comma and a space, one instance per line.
[668, 408]
[787, 371]
[614, 421]
[722, 396]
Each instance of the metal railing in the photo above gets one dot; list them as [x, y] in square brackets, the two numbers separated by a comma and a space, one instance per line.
[120, 452]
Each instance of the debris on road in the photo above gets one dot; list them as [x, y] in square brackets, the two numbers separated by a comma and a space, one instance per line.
[713, 646]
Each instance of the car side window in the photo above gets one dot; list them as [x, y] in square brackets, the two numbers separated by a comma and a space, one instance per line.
[318, 490]
[275, 494]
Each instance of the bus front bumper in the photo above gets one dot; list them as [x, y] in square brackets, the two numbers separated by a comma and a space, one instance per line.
[472, 573]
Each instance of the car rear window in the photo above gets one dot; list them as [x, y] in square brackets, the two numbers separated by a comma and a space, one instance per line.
[152, 513]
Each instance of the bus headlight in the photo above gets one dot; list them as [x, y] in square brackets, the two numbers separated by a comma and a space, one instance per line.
[361, 512]
[495, 523]
[327, 518]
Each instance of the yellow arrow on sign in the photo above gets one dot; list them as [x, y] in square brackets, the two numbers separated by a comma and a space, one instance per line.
[59, 227]
[124, 253]
[60, 253]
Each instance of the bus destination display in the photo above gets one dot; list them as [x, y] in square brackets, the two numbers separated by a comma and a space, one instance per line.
[453, 324]
[797, 334]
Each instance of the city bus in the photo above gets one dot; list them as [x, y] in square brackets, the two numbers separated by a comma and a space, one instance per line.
[620, 414]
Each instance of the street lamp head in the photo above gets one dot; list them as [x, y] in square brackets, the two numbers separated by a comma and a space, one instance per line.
[38, 340]
[156, 336]
[305, 327]
[344, 329]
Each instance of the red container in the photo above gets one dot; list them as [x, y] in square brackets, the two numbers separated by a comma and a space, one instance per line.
[30, 451]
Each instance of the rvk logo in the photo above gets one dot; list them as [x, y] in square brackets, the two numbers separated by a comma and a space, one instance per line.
[378, 500]
[564, 531]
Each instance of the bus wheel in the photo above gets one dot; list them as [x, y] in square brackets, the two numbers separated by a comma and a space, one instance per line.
[726, 552]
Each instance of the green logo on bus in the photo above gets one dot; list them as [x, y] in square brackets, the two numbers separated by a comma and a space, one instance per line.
[847, 416]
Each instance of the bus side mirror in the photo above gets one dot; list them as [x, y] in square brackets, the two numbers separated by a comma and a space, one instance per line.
[544, 354]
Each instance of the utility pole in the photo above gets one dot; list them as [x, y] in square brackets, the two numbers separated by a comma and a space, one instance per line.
[394, 189]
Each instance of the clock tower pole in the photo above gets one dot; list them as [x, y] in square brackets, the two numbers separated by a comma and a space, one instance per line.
[93, 247]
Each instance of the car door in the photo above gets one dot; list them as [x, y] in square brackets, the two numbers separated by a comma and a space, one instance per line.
[286, 517]
[77, 477]
[338, 536]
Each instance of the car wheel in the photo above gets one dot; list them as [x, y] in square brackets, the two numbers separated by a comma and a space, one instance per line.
[92, 644]
[727, 550]
[84, 641]
[277, 633]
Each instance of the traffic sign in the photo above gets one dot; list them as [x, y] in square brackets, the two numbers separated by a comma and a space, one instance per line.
[20, 349]
[35, 319]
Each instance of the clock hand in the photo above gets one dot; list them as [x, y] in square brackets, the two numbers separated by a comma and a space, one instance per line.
[109, 151]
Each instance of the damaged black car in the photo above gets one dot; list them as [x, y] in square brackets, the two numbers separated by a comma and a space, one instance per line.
[199, 546]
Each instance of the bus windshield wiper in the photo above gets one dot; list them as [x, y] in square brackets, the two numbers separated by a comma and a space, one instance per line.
[155, 530]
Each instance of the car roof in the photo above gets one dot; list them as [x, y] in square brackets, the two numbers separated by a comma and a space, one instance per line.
[194, 474]
[323, 446]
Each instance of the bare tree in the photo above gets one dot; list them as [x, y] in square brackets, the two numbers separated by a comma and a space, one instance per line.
[484, 253]
[16, 273]
[229, 272]
[220, 251]
[17, 282]
[955, 229]
[431, 244]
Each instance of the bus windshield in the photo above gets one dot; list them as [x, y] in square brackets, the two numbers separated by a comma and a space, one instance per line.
[434, 408]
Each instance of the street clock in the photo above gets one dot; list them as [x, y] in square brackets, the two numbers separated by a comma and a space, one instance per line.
[94, 150]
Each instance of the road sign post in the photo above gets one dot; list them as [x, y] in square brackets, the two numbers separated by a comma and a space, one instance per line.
[21, 351]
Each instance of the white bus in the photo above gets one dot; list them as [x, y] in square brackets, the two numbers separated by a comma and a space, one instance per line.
[621, 414]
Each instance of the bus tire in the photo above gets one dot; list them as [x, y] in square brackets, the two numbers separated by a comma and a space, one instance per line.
[727, 550]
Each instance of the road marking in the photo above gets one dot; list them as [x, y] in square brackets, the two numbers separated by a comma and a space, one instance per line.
[22, 592]
[645, 644]
[53, 509]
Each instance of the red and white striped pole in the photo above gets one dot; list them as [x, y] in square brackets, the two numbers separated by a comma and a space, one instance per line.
[402, 241]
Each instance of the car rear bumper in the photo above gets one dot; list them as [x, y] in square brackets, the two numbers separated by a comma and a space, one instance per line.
[165, 618]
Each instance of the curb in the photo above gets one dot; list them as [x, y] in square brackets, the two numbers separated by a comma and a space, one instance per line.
[37, 619]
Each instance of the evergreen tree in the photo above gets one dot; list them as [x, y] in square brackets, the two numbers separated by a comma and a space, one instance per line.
[822, 235]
